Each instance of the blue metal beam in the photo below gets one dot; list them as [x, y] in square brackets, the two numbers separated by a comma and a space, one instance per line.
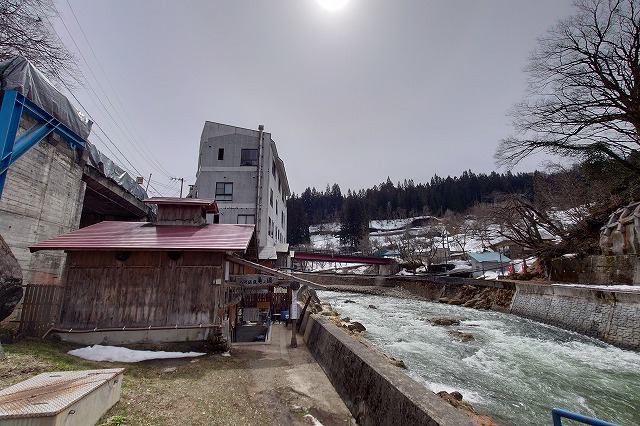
[14, 104]
[558, 413]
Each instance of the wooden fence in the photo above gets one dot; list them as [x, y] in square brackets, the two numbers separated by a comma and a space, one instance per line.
[40, 308]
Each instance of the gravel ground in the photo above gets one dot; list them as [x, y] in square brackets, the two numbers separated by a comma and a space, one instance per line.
[258, 384]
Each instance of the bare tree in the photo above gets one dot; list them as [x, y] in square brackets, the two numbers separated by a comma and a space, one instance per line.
[584, 89]
[482, 224]
[522, 222]
[458, 229]
[416, 248]
[25, 30]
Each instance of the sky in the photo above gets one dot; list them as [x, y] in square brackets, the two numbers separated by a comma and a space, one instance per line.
[378, 89]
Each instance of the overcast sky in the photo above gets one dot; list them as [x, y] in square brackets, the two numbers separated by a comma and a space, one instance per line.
[380, 88]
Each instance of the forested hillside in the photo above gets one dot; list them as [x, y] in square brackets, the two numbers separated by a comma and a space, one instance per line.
[406, 199]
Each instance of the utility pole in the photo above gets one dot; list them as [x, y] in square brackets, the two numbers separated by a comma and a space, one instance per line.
[181, 184]
[147, 188]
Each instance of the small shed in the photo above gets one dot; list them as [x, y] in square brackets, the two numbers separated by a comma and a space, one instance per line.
[131, 282]
[489, 261]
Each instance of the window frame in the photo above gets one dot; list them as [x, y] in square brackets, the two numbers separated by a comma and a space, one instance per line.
[246, 159]
[224, 195]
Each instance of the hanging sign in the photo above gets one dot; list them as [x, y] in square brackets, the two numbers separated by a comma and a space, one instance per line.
[255, 279]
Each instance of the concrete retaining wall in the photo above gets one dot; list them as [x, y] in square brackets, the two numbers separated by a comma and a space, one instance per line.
[613, 317]
[42, 198]
[376, 392]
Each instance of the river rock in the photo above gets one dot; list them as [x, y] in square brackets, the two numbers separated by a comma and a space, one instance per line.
[465, 337]
[349, 301]
[443, 300]
[444, 321]
[372, 307]
[355, 326]
[10, 281]
[455, 398]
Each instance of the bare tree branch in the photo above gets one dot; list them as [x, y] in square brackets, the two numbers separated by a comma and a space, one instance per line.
[25, 30]
[584, 89]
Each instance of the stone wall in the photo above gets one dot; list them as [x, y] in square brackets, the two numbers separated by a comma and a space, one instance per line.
[611, 316]
[376, 392]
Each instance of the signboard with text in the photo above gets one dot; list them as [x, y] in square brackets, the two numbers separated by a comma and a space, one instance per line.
[255, 279]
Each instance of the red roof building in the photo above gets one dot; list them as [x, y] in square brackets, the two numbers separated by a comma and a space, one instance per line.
[127, 282]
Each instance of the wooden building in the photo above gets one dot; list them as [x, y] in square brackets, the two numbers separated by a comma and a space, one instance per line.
[168, 281]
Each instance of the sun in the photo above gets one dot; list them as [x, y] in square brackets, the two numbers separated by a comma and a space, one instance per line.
[332, 5]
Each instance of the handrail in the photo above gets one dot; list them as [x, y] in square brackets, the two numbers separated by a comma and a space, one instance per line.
[558, 413]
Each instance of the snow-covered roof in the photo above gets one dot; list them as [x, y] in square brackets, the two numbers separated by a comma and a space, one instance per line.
[489, 256]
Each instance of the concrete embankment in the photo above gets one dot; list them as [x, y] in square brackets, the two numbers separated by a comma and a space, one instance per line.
[376, 392]
[611, 316]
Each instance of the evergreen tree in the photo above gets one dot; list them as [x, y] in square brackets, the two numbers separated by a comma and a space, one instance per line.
[354, 225]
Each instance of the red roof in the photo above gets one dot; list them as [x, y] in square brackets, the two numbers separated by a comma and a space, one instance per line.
[210, 205]
[138, 236]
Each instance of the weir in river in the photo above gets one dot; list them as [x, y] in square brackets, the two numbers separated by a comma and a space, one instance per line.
[512, 369]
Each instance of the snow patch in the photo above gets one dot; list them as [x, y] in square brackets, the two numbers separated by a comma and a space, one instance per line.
[118, 354]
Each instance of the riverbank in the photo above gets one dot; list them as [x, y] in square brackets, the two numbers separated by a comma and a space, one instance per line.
[510, 368]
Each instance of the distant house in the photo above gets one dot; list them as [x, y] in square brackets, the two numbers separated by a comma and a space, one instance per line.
[511, 248]
[128, 282]
[489, 261]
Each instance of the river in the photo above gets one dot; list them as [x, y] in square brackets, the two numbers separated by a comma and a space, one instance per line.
[514, 370]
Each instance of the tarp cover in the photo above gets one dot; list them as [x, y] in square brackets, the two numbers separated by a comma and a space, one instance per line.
[112, 171]
[19, 74]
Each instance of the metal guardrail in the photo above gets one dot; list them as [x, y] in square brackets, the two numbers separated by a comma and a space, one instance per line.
[558, 413]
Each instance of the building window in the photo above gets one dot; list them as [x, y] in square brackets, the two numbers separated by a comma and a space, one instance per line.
[220, 153]
[271, 197]
[276, 207]
[249, 157]
[273, 168]
[224, 191]
[246, 219]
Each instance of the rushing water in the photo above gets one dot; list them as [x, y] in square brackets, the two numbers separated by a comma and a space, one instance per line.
[514, 370]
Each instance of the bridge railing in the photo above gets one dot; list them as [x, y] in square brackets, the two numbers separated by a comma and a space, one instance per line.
[558, 413]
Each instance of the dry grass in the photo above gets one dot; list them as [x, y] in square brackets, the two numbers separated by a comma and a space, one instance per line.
[210, 390]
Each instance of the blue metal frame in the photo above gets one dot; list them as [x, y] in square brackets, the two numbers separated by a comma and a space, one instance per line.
[14, 104]
[558, 413]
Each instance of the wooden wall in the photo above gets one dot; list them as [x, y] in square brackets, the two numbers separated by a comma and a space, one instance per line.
[146, 289]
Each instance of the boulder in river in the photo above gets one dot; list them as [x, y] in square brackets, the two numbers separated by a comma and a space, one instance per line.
[356, 327]
[465, 337]
[444, 321]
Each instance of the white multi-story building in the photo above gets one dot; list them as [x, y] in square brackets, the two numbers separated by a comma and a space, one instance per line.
[241, 170]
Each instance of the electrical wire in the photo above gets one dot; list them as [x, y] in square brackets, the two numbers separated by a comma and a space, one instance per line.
[122, 158]
[158, 165]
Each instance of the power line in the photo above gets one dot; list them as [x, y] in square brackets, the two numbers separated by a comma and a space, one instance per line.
[98, 97]
[151, 156]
